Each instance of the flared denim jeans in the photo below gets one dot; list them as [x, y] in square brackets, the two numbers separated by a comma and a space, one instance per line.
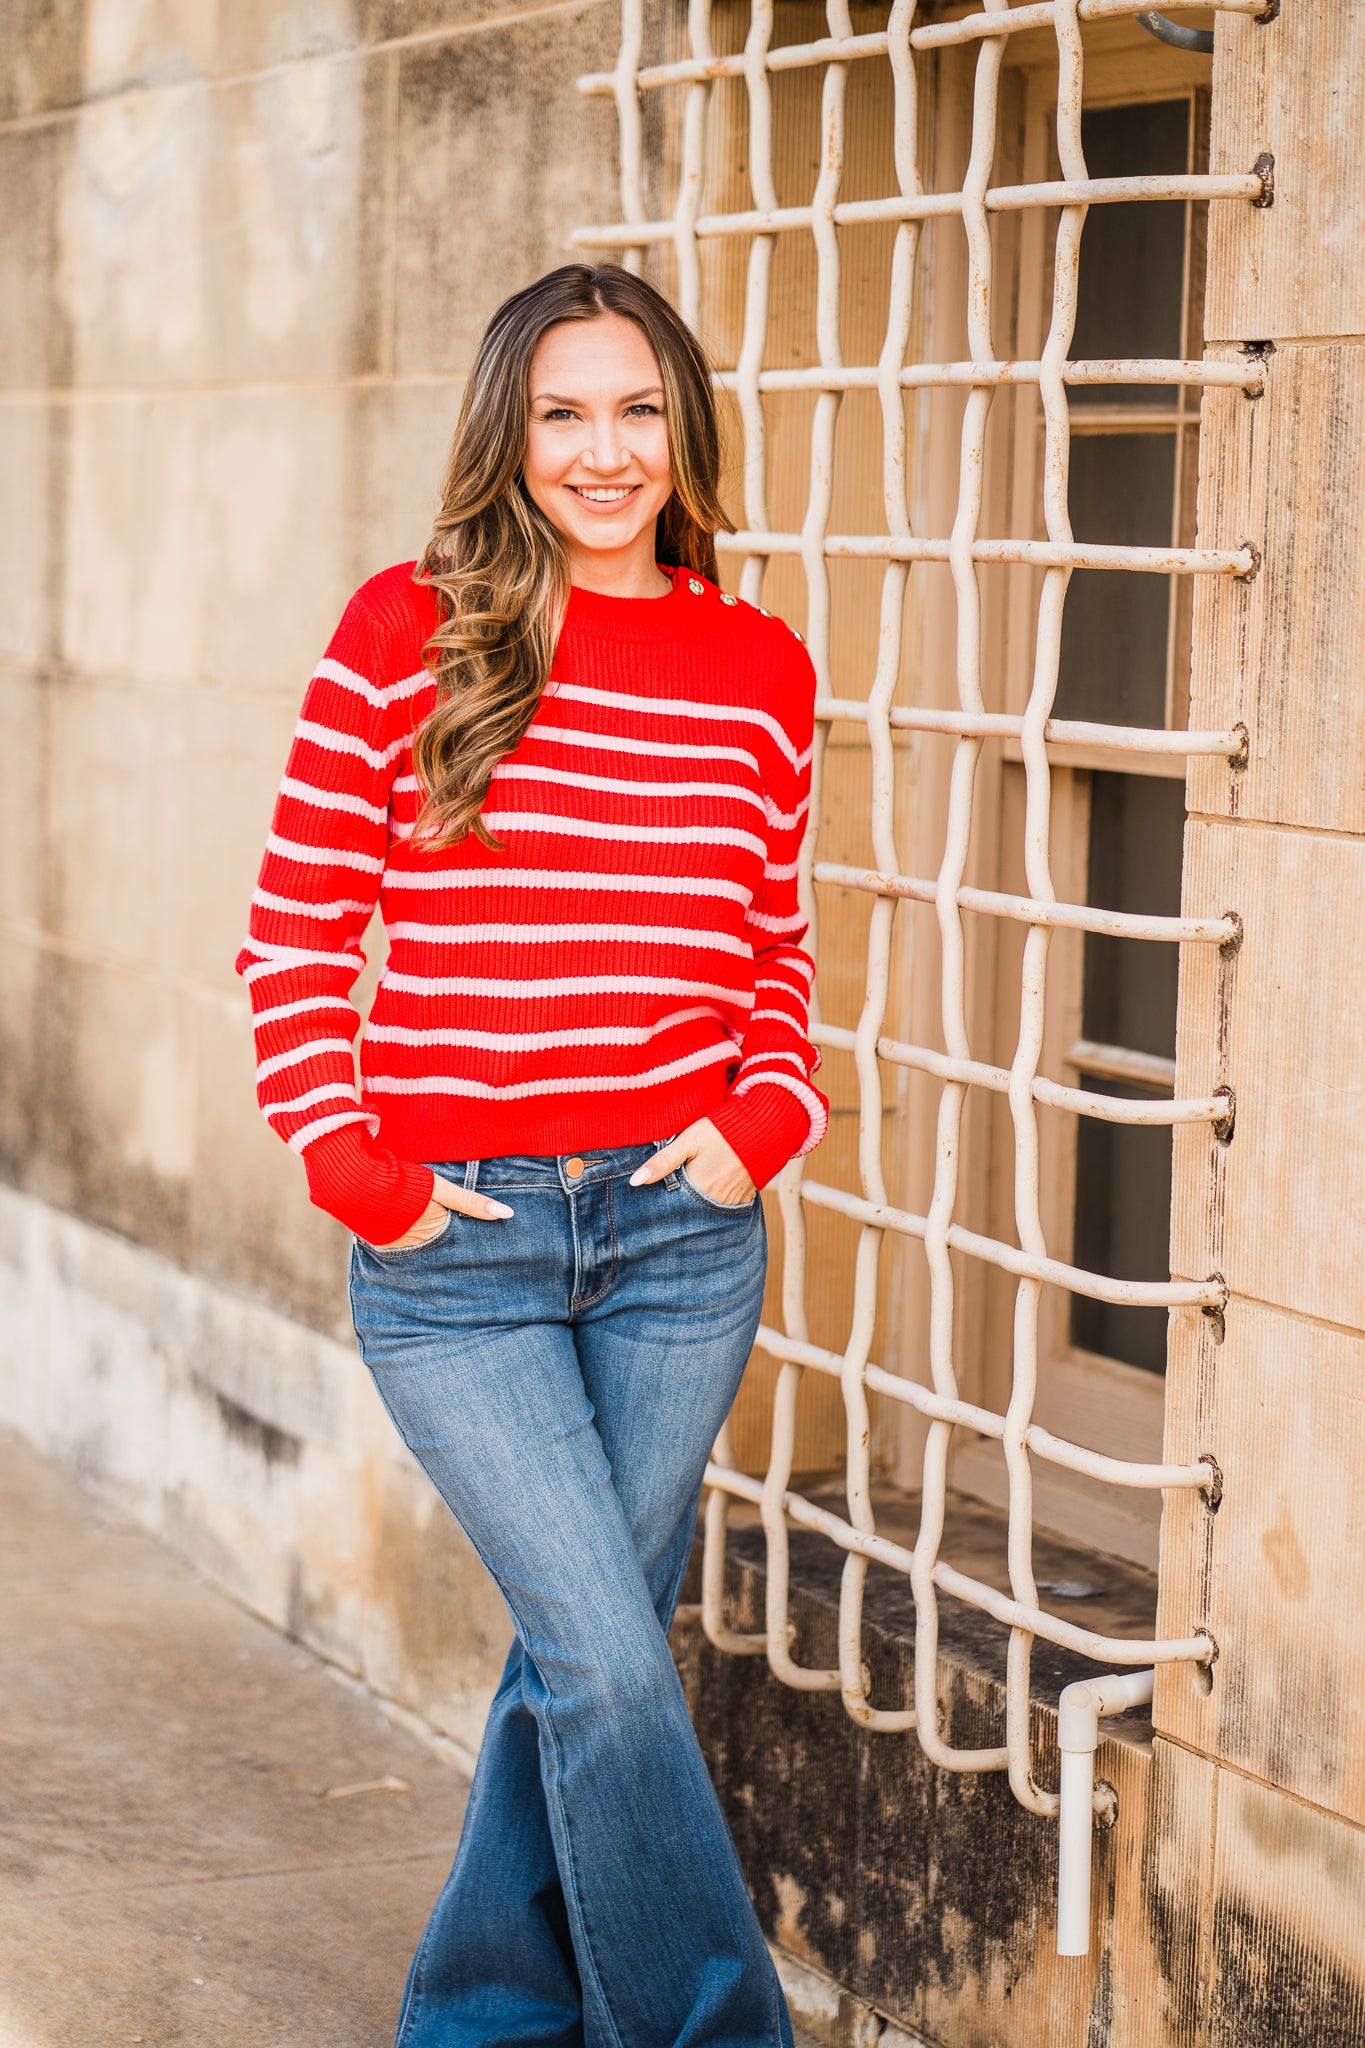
[561, 1377]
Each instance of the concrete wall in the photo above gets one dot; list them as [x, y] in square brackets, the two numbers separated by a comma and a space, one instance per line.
[245, 254]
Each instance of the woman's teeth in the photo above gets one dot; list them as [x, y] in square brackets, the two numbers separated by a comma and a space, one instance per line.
[604, 497]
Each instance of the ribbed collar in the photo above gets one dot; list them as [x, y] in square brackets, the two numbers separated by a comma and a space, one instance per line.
[675, 616]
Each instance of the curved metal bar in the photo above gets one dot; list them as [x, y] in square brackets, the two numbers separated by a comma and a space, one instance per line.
[1197, 39]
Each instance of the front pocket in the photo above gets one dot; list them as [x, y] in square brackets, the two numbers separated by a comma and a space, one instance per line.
[411, 1251]
[726, 1208]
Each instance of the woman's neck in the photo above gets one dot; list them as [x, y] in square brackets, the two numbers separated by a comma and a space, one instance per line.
[630, 573]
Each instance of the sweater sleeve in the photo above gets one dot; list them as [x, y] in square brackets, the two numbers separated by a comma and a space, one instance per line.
[318, 887]
[773, 1112]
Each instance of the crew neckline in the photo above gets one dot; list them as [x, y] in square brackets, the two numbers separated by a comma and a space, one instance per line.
[672, 616]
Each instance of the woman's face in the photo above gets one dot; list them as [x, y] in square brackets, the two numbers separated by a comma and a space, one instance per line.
[597, 442]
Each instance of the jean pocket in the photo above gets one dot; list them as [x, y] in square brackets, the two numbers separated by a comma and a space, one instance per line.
[710, 1202]
[409, 1251]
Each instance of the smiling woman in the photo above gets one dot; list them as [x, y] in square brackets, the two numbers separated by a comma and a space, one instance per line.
[575, 773]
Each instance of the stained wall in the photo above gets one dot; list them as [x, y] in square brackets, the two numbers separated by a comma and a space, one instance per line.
[245, 254]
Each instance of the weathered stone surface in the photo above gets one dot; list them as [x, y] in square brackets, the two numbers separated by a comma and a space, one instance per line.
[1298, 1148]
[1293, 87]
[499, 154]
[35, 343]
[258, 1447]
[215, 233]
[132, 43]
[40, 55]
[1287, 1910]
[1285, 1415]
[930, 1894]
[1283, 649]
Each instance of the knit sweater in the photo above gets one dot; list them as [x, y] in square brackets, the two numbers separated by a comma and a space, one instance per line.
[629, 961]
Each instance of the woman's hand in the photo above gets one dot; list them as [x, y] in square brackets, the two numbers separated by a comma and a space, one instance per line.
[432, 1221]
[716, 1169]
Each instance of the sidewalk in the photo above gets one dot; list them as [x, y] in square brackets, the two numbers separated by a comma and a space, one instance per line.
[207, 1838]
[188, 1856]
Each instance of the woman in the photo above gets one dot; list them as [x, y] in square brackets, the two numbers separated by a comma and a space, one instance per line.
[575, 775]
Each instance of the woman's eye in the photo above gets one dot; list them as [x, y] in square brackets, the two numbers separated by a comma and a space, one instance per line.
[558, 412]
[643, 406]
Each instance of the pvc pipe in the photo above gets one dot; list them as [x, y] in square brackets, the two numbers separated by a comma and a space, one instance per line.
[1079, 1713]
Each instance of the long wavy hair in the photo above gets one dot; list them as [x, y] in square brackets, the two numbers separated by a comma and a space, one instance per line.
[498, 566]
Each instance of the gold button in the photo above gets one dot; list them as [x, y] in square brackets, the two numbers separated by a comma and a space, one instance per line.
[574, 1168]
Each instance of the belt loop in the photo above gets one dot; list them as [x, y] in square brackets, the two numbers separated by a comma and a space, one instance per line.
[471, 1174]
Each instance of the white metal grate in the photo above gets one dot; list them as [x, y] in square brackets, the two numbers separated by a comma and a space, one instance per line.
[963, 549]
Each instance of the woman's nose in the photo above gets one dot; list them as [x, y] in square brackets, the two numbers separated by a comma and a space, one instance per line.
[604, 451]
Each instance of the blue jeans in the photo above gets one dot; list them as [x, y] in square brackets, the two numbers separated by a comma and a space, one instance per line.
[561, 1377]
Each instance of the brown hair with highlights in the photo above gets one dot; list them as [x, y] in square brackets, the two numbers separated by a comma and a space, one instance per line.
[496, 563]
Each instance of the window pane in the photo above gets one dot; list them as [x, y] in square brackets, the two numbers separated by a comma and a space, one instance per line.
[1123, 1174]
[1123, 1224]
[1132, 256]
[1114, 630]
[1137, 825]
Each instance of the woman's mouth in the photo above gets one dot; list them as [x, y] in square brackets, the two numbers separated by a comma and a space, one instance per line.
[603, 497]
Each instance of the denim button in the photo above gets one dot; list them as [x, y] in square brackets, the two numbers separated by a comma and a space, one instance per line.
[574, 1168]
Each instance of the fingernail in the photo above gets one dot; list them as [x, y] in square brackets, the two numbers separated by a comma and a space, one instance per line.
[500, 1209]
[639, 1177]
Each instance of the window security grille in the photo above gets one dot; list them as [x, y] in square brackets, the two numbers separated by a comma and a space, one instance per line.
[971, 724]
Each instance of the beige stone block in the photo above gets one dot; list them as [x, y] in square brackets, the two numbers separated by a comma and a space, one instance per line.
[1281, 653]
[211, 529]
[25, 871]
[233, 748]
[1265, 1575]
[100, 1068]
[402, 439]
[283, 506]
[112, 854]
[499, 159]
[1294, 87]
[40, 56]
[393, 20]
[1288, 1906]
[23, 984]
[218, 233]
[1277, 1210]
[30, 434]
[35, 349]
[128, 43]
[136, 525]
[253, 1227]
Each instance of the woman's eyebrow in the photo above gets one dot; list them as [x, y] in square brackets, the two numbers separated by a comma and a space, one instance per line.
[630, 398]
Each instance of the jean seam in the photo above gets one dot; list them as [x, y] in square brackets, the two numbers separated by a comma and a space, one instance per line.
[587, 1300]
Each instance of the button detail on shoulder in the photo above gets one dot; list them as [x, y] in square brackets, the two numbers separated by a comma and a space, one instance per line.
[726, 598]
[695, 587]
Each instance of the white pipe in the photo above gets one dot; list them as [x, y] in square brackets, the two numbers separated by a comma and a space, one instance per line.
[1079, 1713]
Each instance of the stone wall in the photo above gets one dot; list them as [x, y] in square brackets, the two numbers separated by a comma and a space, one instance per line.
[245, 255]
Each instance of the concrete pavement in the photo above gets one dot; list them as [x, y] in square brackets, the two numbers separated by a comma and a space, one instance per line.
[186, 1858]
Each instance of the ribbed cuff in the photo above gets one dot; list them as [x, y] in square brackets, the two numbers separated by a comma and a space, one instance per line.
[366, 1187]
[766, 1126]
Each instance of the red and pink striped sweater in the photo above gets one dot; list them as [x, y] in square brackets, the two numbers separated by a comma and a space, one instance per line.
[630, 961]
